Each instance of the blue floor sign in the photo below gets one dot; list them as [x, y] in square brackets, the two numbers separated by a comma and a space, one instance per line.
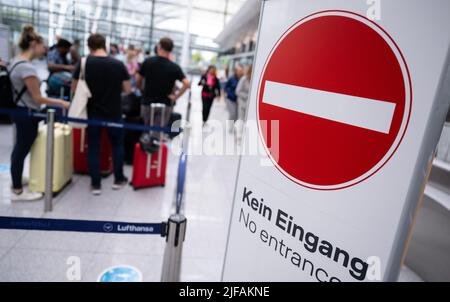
[4, 168]
[121, 273]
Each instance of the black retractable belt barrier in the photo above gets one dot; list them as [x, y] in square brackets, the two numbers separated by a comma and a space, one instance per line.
[86, 226]
[92, 122]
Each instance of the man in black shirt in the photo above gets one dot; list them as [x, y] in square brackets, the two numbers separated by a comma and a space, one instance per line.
[160, 74]
[106, 78]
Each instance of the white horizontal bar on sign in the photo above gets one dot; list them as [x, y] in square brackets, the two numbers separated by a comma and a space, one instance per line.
[375, 115]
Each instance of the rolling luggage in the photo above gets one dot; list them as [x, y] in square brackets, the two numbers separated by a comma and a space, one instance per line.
[62, 161]
[149, 169]
[80, 152]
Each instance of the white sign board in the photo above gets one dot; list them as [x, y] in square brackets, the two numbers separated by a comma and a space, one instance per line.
[349, 98]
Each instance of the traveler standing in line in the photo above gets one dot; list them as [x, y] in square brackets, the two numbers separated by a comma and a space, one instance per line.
[132, 64]
[242, 92]
[230, 90]
[114, 52]
[75, 52]
[140, 56]
[57, 57]
[106, 78]
[60, 69]
[27, 94]
[147, 54]
[211, 90]
[160, 75]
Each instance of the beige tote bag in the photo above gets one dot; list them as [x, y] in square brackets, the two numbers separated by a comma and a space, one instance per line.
[78, 106]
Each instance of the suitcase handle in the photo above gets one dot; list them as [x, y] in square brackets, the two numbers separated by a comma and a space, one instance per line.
[153, 108]
[163, 108]
[82, 139]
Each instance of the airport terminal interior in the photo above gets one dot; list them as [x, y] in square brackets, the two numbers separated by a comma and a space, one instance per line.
[203, 33]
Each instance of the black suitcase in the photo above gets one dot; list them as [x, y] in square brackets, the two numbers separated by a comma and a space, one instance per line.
[131, 138]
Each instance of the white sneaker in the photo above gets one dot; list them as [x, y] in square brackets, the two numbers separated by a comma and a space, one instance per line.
[26, 195]
[96, 191]
[118, 185]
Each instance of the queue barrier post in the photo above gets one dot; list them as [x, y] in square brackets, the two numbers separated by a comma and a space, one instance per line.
[176, 232]
[48, 203]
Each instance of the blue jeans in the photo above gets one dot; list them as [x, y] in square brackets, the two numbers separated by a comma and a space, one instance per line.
[115, 136]
[26, 133]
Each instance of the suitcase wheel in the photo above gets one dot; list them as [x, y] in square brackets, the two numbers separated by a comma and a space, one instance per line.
[131, 184]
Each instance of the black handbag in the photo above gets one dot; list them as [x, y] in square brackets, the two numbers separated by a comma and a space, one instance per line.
[131, 105]
[148, 143]
[174, 117]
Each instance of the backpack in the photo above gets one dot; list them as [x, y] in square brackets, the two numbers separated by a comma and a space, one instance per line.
[9, 96]
[131, 105]
[174, 120]
[59, 84]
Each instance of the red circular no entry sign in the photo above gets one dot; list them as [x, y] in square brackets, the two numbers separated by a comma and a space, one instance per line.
[340, 89]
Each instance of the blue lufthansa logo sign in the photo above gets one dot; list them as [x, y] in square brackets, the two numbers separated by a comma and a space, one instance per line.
[108, 227]
[121, 273]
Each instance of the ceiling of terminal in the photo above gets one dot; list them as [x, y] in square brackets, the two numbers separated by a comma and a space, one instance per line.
[124, 21]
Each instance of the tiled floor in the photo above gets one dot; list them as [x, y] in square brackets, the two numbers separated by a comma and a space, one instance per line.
[45, 256]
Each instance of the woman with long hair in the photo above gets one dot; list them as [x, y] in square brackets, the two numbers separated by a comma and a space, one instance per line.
[132, 64]
[211, 90]
[27, 93]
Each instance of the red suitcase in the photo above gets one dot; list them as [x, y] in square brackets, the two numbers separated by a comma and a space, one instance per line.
[80, 151]
[149, 170]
